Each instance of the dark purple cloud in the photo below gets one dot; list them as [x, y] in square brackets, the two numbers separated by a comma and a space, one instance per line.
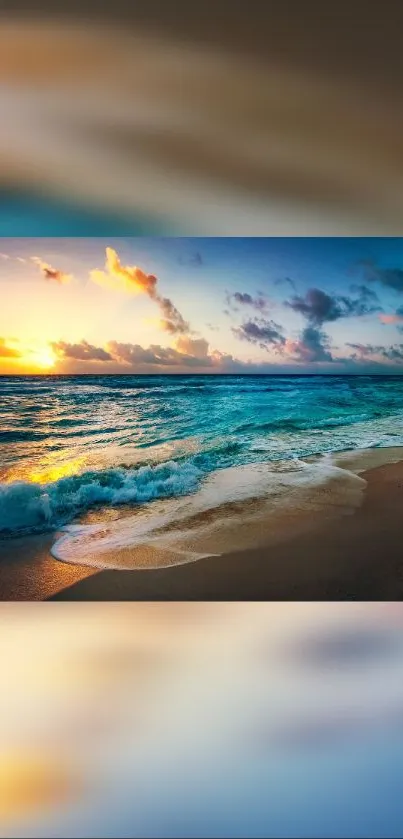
[316, 306]
[264, 333]
[312, 345]
[243, 298]
[319, 307]
[390, 277]
[368, 351]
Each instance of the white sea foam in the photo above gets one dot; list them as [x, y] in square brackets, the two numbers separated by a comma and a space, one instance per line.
[295, 484]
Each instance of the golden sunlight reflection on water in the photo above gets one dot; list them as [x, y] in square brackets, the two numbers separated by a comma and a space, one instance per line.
[47, 471]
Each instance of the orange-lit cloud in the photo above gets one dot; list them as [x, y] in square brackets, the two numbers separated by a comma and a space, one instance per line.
[7, 351]
[132, 279]
[391, 318]
[192, 346]
[50, 273]
[121, 278]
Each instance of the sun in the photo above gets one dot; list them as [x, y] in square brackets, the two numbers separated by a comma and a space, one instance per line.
[43, 358]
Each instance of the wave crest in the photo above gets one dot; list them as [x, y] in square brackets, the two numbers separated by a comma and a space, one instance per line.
[31, 508]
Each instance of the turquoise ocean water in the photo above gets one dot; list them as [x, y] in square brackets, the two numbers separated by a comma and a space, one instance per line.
[69, 445]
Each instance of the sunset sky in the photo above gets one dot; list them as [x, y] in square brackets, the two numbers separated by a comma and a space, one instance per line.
[153, 305]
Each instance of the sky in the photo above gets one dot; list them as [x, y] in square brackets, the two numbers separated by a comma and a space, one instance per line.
[201, 305]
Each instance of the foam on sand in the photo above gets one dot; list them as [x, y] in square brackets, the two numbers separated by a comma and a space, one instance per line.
[233, 508]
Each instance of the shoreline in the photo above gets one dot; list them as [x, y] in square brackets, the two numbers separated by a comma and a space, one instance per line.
[360, 560]
[318, 552]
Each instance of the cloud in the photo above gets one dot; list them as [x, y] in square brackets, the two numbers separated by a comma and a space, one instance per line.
[366, 304]
[286, 281]
[50, 273]
[394, 353]
[132, 279]
[311, 346]
[316, 306]
[213, 327]
[397, 317]
[390, 318]
[243, 298]
[80, 352]
[264, 333]
[121, 278]
[8, 352]
[172, 320]
[319, 307]
[136, 355]
[390, 277]
[198, 347]
[189, 352]
[364, 351]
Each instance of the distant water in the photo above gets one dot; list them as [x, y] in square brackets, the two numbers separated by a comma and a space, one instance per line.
[70, 445]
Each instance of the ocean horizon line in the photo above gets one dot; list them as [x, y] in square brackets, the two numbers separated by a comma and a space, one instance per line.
[198, 375]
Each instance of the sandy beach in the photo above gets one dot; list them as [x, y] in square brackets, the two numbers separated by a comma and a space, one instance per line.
[339, 556]
[354, 557]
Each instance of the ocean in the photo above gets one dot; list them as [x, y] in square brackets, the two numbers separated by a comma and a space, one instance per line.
[91, 449]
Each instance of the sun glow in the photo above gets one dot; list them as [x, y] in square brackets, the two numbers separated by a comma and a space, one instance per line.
[43, 358]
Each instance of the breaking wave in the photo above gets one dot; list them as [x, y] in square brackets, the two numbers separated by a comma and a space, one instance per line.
[32, 507]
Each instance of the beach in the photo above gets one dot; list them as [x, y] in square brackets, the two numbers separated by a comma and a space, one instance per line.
[356, 557]
[335, 553]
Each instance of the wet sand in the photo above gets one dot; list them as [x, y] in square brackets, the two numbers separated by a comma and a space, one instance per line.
[346, 558]
[29, 572]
